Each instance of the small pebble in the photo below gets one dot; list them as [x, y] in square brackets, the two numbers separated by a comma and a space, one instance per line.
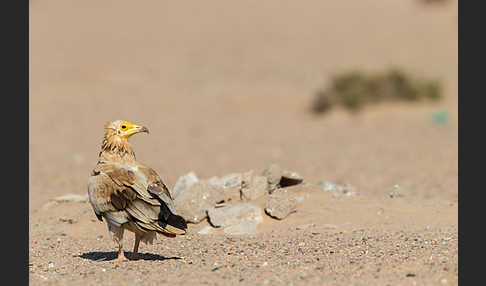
[410, 275]
[398, 192]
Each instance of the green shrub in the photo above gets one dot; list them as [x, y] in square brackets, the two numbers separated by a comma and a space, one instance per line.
[355, 89]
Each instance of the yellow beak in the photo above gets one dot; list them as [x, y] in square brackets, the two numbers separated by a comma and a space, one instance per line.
[134, 129]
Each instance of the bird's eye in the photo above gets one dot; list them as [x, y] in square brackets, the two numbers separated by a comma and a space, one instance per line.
[123, 127]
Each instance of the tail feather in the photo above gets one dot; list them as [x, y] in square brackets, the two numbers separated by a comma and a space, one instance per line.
[174, 224]
[177, 222]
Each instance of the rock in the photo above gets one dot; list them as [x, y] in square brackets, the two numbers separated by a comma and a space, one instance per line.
[193, 202]
[290, 178]
[273, 174]
[349, 190]
[410, 275]
[398, 192]
[328, 186]
[303, 190]
[338, 190]
[72, 198]
[215, 181]
[253, 186]
[183, 183]
[229, 181]
[243, 228]
[234, 214]
[280, 206]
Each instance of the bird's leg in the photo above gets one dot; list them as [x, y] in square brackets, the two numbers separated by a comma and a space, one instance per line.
[135, 247]
[118, 238]
[121, 254]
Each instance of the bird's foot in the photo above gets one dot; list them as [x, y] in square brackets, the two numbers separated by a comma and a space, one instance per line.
[120, 258]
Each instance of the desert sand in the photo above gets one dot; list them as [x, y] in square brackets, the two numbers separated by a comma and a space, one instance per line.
[226, 87]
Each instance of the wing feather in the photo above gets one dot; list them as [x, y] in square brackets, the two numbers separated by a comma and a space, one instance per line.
[99, 193]
[137, 195]
[157, 187]
[125, 176]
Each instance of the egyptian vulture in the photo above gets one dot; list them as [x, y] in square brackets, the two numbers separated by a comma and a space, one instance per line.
[129, 195]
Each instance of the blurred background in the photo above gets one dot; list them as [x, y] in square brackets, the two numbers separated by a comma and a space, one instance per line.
[228, 86]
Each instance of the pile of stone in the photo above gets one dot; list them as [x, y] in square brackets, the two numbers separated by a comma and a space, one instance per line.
[236, 202]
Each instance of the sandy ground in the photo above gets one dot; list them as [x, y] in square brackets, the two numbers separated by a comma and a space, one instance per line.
[227, 88]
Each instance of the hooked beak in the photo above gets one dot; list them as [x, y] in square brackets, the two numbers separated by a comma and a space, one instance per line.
[144, 129]
[135, 129]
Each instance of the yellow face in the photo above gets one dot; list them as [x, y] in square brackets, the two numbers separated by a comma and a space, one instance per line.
[127, 129]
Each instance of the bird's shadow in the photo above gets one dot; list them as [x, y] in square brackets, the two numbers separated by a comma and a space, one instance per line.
[107, 256]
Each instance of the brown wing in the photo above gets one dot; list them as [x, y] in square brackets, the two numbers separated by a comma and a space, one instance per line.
[102, 194]
[128, 177]
[157, 187]
[118, 193]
